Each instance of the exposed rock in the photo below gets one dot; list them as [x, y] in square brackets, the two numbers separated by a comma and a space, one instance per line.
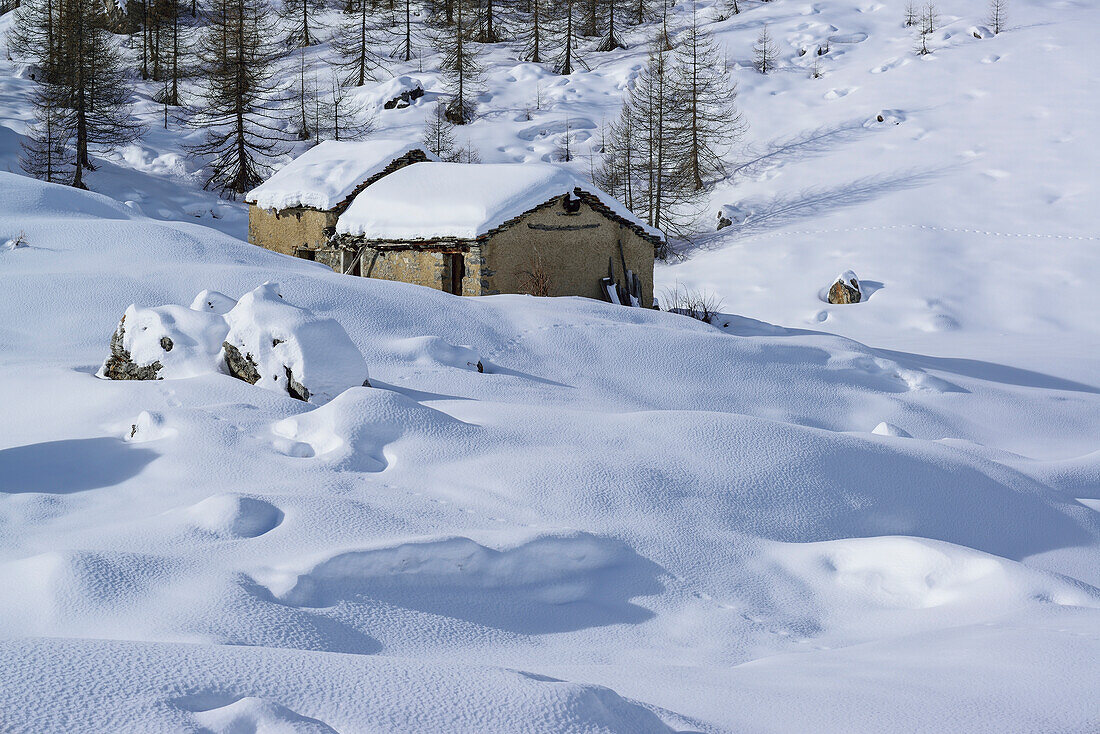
[404, 99]
[845, 289]
[163, 343]
[120, 366]
[241, 366]
[261, 340]
[723, 221]
[278, 346]
[295, 388]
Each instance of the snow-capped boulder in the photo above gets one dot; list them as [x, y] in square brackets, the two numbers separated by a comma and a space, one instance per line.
[845, 289]
[165, 342]
[213, 302]
[260, 339]
[281, 347]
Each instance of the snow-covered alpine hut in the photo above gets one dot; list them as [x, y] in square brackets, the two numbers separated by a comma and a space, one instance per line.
[483, 229]
[294, 212]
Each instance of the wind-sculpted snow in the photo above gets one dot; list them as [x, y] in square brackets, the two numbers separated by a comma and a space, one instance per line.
[622, 497]
[806, 517]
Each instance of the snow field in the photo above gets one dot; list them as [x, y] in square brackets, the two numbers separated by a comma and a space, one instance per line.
[807, 517]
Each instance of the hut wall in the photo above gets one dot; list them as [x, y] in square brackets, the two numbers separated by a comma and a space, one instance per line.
[288, 230]
[428, 265]
[572, 248]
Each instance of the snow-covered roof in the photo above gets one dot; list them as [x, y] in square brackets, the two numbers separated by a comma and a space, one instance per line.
[464, 201]
[328, 173]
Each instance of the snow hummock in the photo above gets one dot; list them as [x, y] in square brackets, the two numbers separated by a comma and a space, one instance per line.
[280, 337]
[463, 200]
[325, 175]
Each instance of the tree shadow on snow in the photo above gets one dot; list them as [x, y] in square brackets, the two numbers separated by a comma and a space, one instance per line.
[72, 465]
[805, 145]
[784, 210]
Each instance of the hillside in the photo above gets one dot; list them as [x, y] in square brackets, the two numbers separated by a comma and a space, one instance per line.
[862, 518]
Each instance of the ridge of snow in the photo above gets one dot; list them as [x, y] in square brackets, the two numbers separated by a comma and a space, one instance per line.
[463, 200]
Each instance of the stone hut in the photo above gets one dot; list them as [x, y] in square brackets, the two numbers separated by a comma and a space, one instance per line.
[499, 228]
[295, 211]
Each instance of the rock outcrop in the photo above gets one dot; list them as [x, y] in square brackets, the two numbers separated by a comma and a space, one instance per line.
[121, 366]
[845, 289]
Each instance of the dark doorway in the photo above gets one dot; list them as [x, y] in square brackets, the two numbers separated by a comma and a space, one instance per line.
[457, 271]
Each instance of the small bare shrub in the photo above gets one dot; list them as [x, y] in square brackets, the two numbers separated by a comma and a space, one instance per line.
[696, 303]
[535, 278]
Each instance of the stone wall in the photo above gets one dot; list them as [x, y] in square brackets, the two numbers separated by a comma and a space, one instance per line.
[426, 265]
[572, 248]
[288, 230]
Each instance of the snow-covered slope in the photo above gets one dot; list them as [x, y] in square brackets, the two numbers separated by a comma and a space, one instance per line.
[630, 521]
[623, 498]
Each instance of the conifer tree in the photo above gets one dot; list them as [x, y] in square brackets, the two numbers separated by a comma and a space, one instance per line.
[47, 152]
[460, 65]
[929, 19]
[404, 50]
[488, 22]
[645, 160]
[711, 123]
[439, 136]
[568, 57]
[355, 42]
[83, 95]
[765, 52]
[610, 39]
[239, 102]
[300, 19]
[534, 38]
[910, 13]
[998, 15]
[344, 117]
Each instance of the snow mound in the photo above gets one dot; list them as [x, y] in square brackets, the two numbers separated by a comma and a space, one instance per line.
[260, 339]
[234, 516]
[258, 716]
[889, 429]
[148, 427]
[434, 351]
[289, 349]
[328, 173]
[213, 301]
[353, 430]
[934, 578]
[462, 200]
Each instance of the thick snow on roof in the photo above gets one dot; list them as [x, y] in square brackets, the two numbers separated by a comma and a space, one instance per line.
[462, 200]
[327, 174]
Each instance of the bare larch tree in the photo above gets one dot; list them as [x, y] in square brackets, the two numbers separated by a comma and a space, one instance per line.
[239, 104]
